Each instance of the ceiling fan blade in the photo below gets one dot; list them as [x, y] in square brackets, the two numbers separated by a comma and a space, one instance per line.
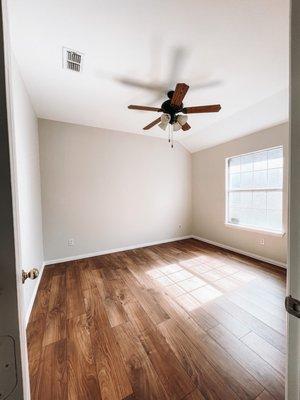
[153, 123]
[186, 127]
[202, 109]
[143, 108]
[180, 92]
[142, 85]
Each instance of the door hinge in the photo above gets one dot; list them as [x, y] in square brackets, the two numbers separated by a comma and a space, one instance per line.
[292, 306]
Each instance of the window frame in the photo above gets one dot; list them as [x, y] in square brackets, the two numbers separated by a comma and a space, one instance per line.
[227, 192]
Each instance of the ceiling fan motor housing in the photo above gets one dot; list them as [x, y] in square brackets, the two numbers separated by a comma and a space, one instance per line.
[168, 108]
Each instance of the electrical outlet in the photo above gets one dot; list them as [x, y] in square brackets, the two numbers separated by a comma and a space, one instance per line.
[71, 242]
[261, 242]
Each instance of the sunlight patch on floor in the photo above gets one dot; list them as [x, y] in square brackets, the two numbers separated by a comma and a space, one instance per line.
[197, 281]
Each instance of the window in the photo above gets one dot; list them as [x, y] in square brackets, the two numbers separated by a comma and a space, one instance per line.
[254, 190]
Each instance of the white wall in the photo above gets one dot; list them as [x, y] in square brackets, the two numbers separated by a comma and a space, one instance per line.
[107, 189]
[208, 198]
[27, 185]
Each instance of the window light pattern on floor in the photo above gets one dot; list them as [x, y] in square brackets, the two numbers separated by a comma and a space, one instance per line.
[195, 282]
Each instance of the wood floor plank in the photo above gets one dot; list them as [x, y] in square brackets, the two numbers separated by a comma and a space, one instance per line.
[55, 328]
[195, 395]
[45, 283]
[227, 320]
[209, 381]
[85, 273]
[266, 351]
[138, 317]
[265, 396]
[255, 365]
[52, 380]
[75, 302]
[146, 298]
[204, 319]
[235, 375]
[142, 374]
[112, 296]
[258, 312]
[35, 334]
[82, 376]
[173, 376]
[256, 325]
[259, 292]
[277, 310]
[111, 371]
[40, 308]
[178, 314]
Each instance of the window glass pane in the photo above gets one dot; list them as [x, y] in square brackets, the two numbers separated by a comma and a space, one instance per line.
[259, 218]
[275, 158]
[246, 199]
[274, 219]
[235, 199]
[260, 200]
[245, 216]
[234, 165]
[275, 178]
[234, 215]
[235, 181]
[246, 180]
[274, 200]
[260, 160]
[260, 179]
[247, 163]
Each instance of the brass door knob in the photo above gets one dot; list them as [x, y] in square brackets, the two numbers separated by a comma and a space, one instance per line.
[32, 274]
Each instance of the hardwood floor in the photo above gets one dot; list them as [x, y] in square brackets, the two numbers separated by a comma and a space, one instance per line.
[182, 320]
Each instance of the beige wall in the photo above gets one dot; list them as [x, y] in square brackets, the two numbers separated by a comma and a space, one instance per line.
[208, 195]
[110, 189]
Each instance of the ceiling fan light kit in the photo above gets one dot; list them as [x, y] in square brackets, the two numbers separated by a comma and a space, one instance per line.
[171, 110]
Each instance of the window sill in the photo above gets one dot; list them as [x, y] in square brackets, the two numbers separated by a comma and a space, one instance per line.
[258, 230]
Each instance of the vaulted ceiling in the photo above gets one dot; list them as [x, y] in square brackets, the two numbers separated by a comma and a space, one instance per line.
[233, 52]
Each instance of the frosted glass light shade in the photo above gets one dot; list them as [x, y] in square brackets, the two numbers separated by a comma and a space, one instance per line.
[182, 119]
[163, 125]
[176, 127]
[165, 118]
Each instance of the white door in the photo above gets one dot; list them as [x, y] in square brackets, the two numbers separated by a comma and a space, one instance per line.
[293, 287]
[12, 335]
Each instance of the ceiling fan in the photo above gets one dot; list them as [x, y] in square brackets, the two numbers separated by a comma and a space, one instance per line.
[174, 112]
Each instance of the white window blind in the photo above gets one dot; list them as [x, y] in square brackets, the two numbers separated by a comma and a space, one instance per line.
[254, 190]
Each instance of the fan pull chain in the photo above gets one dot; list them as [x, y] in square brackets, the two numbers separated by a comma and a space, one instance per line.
[172, 139]
[169, 133]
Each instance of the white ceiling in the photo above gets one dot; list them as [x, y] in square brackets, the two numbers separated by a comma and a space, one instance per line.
[238, 47]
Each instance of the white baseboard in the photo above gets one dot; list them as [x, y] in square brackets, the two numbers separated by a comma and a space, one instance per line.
[244, 253]
[33, 296]
[115, 250]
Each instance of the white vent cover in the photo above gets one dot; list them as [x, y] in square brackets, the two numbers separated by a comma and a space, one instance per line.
[72, 60]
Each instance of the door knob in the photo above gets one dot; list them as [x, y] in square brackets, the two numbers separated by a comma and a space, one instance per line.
[32, 274]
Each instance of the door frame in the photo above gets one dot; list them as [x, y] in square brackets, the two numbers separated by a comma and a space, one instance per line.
[292, 383]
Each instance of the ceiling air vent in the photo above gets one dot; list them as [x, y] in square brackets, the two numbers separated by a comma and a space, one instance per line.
[72, 60]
